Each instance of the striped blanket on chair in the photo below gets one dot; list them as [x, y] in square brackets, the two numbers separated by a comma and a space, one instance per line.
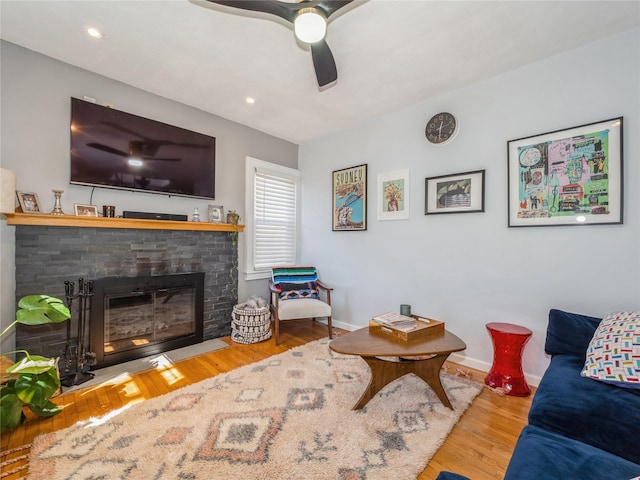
[295, 282]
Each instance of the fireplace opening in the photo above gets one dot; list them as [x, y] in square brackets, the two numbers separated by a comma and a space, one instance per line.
[133, 317]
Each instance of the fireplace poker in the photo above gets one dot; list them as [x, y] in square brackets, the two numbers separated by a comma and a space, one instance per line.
[68, 291]
[85, 289]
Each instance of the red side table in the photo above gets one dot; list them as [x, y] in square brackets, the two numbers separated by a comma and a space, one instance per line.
[506, 372]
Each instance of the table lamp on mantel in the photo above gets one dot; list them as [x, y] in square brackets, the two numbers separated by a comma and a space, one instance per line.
[7, 191]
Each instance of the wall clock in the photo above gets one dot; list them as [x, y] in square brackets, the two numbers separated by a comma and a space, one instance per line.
[441, 128]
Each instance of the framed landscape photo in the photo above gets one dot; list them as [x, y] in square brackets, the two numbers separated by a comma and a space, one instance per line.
[29, 202]
[216, 213]
[567, 177]
[85, 210]
[349, 199]
[456, 193]
[393, 195]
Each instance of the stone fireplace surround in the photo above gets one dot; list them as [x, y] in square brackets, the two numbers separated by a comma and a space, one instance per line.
[47, 255]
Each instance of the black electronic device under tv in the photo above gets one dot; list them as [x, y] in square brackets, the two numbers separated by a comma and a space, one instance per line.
[114, 149]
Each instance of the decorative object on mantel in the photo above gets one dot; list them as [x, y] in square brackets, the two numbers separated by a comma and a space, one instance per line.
[216, 213]
[232, 217]
[108, 211]
[57, 206]
[195, 216]
[7, 189]
[288, 413]
[29, 202]
[36, 377]
[85, 210]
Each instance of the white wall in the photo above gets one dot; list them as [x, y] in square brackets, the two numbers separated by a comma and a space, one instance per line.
[35, 144]
[470, 269]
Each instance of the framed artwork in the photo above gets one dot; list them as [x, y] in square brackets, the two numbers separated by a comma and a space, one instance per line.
[350, 199]
[456, 193]
[85, 210]
[567, 177]
[393, 195]
[29, 202]
[216, 213]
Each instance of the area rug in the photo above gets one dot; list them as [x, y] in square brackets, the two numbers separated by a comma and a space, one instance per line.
[286, 417]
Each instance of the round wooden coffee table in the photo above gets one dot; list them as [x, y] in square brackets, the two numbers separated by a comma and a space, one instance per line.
[423, 357]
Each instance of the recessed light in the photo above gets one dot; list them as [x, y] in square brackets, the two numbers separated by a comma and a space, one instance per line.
[94, 32]
[250, 100]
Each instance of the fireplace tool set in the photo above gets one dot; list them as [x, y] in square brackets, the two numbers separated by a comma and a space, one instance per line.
[84, 359]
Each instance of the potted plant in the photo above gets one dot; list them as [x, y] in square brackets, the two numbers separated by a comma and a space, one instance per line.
[233, 217]
[35, 378]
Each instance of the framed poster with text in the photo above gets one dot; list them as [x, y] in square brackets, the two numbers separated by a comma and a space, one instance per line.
[350, 199]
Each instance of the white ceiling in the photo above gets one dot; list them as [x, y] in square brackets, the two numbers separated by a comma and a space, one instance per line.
[389, 53]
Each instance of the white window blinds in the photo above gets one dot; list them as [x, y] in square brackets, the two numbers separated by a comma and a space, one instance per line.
[275, 219]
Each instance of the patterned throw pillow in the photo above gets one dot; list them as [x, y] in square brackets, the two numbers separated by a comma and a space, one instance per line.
[295, 282]
[613, 354]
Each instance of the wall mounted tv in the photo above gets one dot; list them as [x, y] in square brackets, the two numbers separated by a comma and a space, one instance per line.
[114, 149]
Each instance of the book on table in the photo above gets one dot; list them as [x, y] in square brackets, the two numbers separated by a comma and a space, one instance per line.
[424, 327]
[396, 321]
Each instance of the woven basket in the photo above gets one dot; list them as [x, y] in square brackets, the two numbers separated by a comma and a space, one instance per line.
[250, 325]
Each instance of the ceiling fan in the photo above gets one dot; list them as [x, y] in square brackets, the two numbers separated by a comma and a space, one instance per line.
[309, 18]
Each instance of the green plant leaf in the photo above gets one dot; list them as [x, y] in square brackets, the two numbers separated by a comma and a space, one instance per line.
[41, 309]
[32, 364]
[49, 409]
[11, 414]
[37, 389]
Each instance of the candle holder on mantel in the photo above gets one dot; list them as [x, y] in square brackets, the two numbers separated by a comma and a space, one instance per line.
[57, 207]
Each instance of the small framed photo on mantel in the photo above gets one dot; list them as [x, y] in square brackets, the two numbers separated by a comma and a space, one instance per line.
[85, 210]
[29, 202]
[216, 213]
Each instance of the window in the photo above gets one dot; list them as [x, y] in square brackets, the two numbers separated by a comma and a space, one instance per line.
[273, 193]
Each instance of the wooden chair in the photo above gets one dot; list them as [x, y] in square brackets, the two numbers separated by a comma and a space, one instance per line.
[295, 293]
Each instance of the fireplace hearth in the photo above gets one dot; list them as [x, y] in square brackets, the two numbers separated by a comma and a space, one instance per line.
[133, 317]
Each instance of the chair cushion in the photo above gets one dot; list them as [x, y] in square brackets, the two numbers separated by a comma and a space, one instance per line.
[295, 282]
[303, 308]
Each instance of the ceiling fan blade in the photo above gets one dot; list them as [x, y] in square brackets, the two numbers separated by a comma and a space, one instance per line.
[107, 148]
[329, 7]
[284, 10]
[324, 64]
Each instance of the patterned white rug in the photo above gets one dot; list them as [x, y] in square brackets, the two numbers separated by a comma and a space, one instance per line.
[286, 417]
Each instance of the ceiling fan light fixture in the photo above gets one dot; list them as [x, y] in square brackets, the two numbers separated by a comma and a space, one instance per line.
[135, 162]
[310, 25]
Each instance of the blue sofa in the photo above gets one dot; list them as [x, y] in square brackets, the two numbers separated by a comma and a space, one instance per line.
[578, 427]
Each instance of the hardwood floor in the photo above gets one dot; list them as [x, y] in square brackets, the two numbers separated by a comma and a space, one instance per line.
[479, 446]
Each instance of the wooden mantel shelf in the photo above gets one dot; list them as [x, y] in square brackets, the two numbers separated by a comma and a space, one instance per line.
[101, 222]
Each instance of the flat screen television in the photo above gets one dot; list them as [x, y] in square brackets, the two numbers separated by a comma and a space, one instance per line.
[114, 149]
